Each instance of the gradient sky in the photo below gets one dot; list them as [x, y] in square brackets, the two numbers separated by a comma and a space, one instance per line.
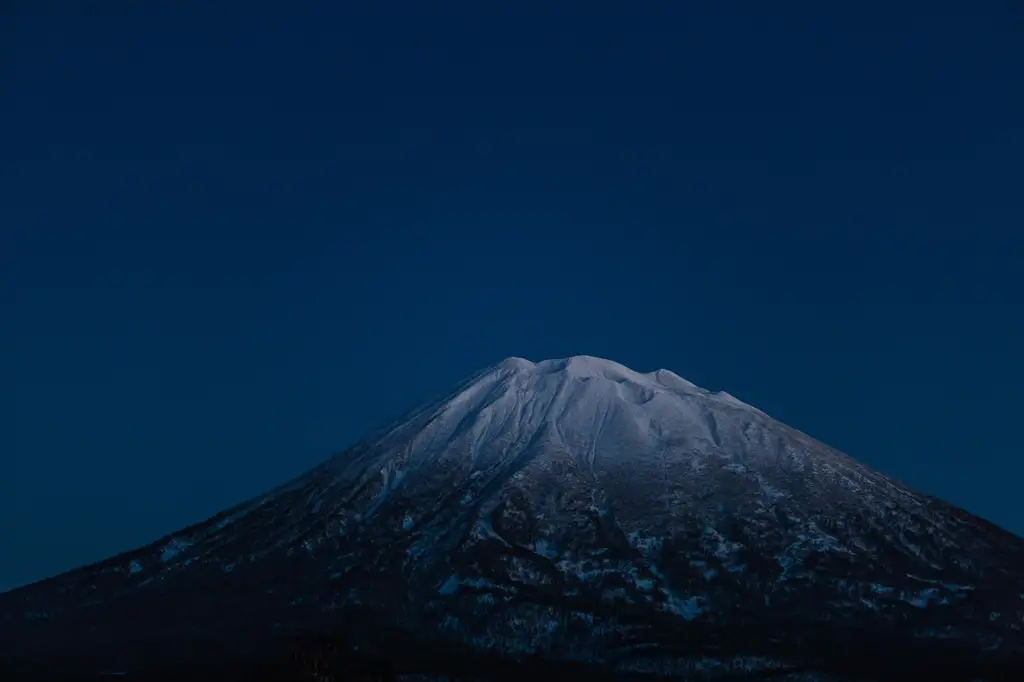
[237, 236]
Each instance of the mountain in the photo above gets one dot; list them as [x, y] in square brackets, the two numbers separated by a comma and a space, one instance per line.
[566, 510]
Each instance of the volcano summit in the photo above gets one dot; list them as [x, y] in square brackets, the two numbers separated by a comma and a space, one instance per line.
[567, 510]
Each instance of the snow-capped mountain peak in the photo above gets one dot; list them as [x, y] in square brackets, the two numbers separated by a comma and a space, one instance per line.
[565, 507]
[576, 401]
[590, 367]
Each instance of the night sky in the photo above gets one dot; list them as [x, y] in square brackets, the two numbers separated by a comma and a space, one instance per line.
[237, 236]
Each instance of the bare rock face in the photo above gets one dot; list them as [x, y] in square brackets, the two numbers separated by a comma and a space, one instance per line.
[576, 510]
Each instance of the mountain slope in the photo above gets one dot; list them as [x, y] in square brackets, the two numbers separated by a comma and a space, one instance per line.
[573, 508]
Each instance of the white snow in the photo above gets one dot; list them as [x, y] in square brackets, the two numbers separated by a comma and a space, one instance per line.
[173, 548]
[688, 608]
[544, 548]
[922, 598]
[450, 586]
[589, 406]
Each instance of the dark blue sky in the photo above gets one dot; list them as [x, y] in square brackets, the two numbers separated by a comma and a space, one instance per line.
[237, 236]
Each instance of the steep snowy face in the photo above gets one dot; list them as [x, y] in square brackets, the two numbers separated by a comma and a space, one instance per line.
[536, 490]
[654, 447]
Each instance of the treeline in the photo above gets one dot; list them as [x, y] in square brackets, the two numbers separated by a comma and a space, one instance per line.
[836, 653]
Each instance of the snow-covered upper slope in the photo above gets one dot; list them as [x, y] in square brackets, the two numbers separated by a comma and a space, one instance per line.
[576, 400]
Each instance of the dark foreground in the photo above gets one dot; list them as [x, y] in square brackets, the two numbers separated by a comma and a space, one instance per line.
[852, 657]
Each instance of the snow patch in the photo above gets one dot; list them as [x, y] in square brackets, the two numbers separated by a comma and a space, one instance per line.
[922, 598]
[545, 549]
[450, 586]
[689, 608]
[173, 548]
